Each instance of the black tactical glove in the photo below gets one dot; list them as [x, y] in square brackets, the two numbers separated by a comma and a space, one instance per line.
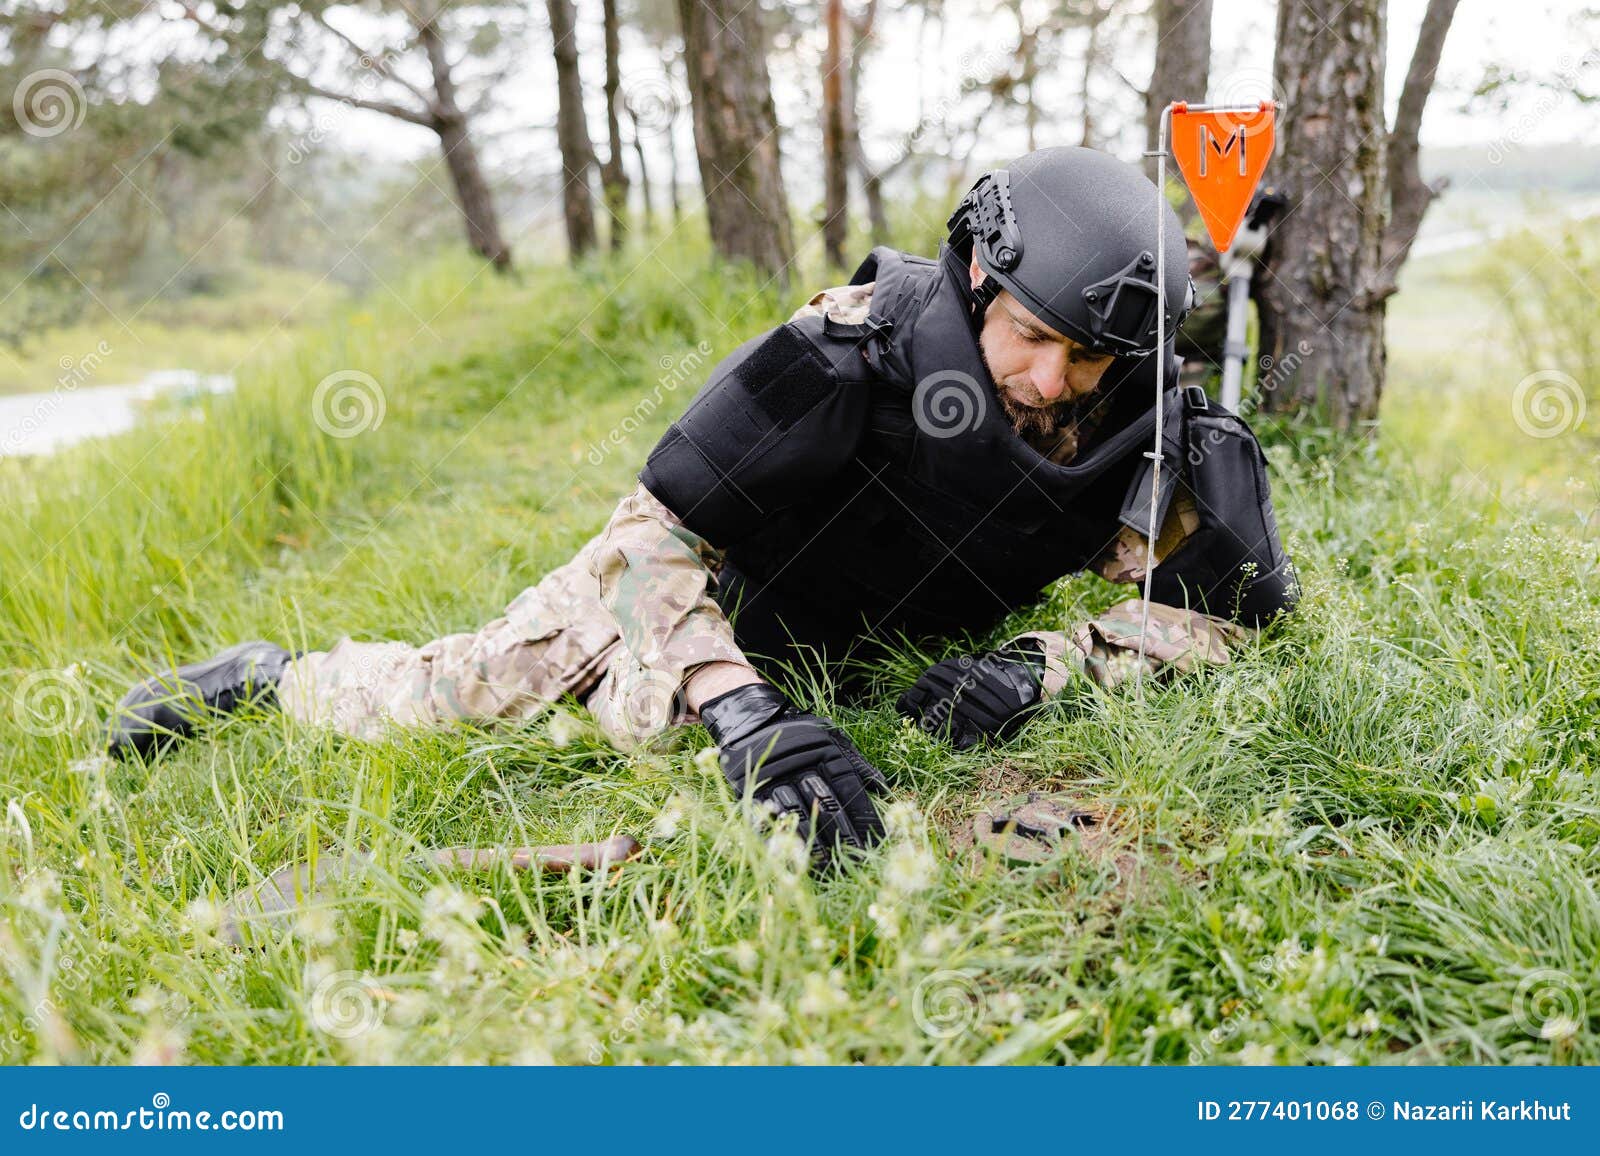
[969, 699]
[803, 765]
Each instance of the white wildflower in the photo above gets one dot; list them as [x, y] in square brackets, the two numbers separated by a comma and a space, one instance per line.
[318, 926]
[886, 917]
[563, 728]
[1364, 1024]
[821, 995]
[810, 1056]
[1008, 1008]
[938, 942]
[910, 869]
[902, 820]
[707, 761]
[1254, 1055]
[444, 909]
[1245, 919]
[203, 916]
[786, 851]
[770, 1015]
[670, 816]
[1559, 1028]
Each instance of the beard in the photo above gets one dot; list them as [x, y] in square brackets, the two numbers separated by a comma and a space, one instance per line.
[1032, 422]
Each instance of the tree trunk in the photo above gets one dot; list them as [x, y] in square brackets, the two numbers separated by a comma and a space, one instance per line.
[736, 133]
[1028, 55]
[871, 179]
[572, 132]
[644, 177]
[835, 171]
[668, 59]
[1409, 195]
[1321, 316]
[1091, 50]
[461, 158]
[1183, 67]
[613, 177]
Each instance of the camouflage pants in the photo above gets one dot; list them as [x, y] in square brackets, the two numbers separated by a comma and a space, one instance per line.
[554, 639]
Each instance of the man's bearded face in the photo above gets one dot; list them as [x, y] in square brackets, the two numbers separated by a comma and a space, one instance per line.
[1039, 374]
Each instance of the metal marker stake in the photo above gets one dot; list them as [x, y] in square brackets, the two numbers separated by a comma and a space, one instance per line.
[1161, 354]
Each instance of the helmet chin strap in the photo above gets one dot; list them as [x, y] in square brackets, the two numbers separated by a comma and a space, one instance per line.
[983, 295]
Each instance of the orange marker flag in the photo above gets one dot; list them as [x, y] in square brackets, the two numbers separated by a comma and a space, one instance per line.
[1222, 156]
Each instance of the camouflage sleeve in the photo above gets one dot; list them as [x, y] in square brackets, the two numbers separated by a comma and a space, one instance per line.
[655, 577]
[1106, 647]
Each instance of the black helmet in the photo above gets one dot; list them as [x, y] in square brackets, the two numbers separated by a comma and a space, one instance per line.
[1071, 232]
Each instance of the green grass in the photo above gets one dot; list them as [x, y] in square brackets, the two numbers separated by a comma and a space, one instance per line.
[1372, 839]
[122, 338]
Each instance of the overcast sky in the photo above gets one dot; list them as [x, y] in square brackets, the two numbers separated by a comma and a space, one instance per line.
[911, 73]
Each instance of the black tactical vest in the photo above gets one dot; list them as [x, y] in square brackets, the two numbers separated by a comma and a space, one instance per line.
[894, 496]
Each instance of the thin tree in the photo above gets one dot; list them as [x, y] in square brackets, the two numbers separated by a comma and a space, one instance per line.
[379, 78]
[572, 131]
[1183, 64]
[613, 176]
[835, 149]
[861, 42]
[736, 133]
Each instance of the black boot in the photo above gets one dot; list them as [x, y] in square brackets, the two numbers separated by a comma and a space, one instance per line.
[162, 708]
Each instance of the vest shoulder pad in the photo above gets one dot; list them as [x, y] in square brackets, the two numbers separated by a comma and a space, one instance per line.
[778, 416]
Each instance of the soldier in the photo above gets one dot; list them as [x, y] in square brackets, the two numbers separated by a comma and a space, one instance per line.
[918, 453]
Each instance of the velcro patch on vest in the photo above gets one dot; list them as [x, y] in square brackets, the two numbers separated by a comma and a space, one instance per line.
[786, 376]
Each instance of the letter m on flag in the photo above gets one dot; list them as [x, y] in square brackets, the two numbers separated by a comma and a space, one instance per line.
[1222, 156]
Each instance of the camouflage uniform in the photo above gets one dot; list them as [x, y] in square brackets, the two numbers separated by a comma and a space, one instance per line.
[624, 624]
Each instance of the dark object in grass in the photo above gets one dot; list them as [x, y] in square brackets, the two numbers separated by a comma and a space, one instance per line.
[169, 705]
[801, 765]
[291, 888]
[972, 698]
[1031, 829]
